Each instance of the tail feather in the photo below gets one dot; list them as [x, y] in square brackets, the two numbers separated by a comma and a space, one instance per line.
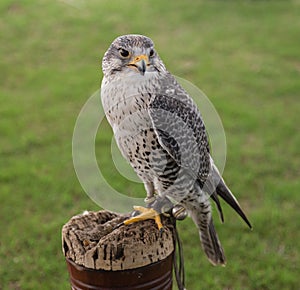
[214, 186]
[211, 245]
[218, 253]
[223, 191]
[208, 236]
[215, 198]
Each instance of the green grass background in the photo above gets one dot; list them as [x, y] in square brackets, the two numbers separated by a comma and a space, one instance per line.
[245, 55]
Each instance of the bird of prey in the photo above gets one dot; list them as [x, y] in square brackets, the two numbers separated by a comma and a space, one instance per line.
[159, 130]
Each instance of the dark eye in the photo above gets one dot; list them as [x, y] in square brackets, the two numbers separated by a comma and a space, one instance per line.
[123, 52]
[151, 53]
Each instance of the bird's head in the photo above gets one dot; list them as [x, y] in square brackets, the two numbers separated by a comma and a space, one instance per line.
[131, 54]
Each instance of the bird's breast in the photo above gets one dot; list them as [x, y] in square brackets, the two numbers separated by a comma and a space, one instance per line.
[125, 101]
[126, 108]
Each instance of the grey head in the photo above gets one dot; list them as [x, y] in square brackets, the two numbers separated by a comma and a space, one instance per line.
[131, 54]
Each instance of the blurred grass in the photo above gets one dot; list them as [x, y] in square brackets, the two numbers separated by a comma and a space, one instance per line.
[243, 54]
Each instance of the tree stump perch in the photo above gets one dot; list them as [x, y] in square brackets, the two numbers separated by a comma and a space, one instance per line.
[101, 256]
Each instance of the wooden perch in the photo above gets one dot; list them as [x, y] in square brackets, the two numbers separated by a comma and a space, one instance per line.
[91, 243]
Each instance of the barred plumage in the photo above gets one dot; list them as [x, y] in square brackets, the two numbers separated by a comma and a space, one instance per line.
[160, 131]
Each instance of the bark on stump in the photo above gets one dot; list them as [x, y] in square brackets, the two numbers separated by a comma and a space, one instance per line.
[136, 256]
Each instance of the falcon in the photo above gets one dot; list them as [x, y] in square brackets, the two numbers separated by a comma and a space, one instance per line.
[160, 132]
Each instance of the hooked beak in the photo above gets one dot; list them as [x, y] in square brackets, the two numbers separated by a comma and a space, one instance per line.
[140, 63]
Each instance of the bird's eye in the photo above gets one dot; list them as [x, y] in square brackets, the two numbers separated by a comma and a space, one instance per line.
[151, 53]
[123, 52]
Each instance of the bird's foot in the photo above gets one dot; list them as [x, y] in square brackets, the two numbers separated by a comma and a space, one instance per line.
[145, 214]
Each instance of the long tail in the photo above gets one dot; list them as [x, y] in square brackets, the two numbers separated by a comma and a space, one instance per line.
[208, 236]
[221, 189]
[201, 215]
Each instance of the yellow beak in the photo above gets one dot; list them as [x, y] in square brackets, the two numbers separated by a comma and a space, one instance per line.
[140, 63]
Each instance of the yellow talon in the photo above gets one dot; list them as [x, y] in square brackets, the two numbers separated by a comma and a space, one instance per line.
[146, 214]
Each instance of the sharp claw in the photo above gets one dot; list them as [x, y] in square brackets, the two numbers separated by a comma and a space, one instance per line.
[135, 213]
[118, 226]
[158, 222]
[161, 231]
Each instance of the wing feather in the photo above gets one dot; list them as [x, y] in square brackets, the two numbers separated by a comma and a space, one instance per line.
[180, 128]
